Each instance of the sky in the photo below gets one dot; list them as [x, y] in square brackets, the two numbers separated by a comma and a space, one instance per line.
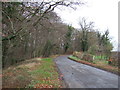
[104, 13]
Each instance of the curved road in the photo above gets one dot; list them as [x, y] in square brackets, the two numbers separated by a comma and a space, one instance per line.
[78, 75]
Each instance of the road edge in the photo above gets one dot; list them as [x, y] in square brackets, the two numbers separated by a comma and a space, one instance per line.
[116, 73]
[64, 84]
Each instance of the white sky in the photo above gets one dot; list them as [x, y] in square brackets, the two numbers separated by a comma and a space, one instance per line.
[103, 12]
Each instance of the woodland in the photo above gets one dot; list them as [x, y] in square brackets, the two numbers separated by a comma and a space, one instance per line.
[33, 29]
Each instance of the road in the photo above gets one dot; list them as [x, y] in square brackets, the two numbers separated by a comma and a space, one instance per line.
[78, 75]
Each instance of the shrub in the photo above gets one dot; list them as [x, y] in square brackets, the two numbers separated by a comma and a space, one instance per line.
[78, 54]
[88, 57]
[114, 62]
[84, 56]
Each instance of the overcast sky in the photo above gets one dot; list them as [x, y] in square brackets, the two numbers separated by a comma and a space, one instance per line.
[103, 12]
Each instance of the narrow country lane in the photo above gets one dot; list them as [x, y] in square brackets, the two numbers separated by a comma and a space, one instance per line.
[78, 75]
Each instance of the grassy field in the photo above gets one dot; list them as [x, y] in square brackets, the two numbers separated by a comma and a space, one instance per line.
[35, 73]
[102, 64]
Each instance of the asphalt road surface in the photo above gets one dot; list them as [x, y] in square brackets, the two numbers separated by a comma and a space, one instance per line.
[78, 75]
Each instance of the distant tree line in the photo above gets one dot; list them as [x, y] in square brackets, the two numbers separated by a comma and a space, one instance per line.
[34, 30]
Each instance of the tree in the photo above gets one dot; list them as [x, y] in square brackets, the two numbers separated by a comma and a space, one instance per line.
[27, 27]
[106, 43]
[105, 46]
[85, 29]
[13, 11]
[47, 49]
[68, 37]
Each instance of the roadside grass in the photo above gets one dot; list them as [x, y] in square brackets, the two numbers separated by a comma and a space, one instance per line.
[101, 64]
[45, 75]
[35, 73]
[103, 57]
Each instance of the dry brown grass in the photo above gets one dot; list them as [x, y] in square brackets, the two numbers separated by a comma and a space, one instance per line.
[17, 76]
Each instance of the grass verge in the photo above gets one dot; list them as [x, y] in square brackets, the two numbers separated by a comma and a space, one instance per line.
[35, 73]
[101, 64]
